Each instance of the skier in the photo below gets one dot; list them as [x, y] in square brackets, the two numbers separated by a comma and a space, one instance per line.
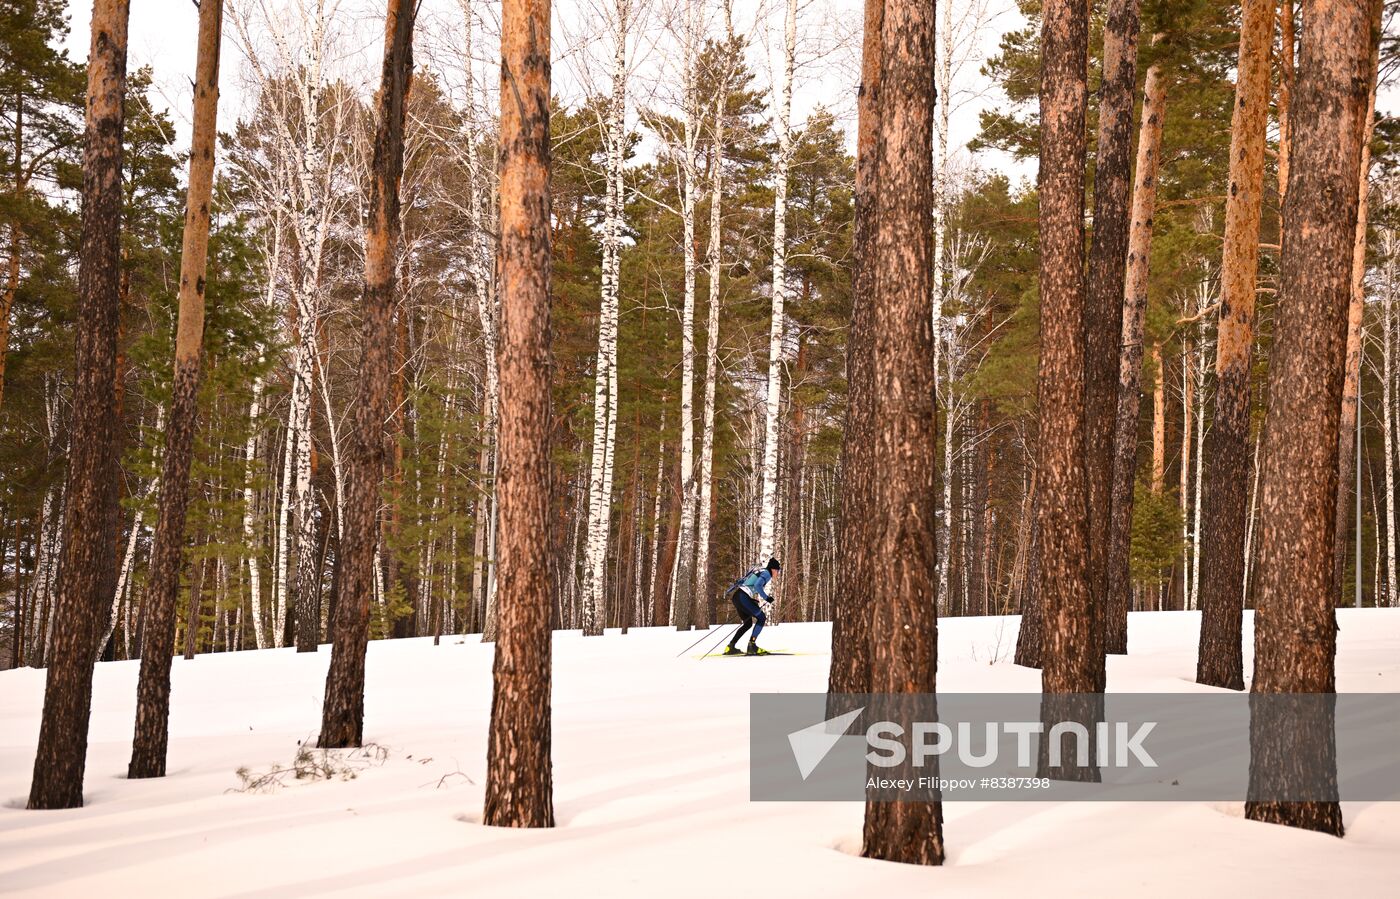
[750, 601]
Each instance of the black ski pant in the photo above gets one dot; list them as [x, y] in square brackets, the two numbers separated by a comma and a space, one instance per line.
[749, 613]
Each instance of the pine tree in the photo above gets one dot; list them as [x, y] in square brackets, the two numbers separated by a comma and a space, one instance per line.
[851, 624]
[343, 713]
[1103, 311]
[519, 784]
[1069, 662]
[902, 535]
[88, 573]
[1219, 663]
[40, 92]
[153, 690]
[1295, 625]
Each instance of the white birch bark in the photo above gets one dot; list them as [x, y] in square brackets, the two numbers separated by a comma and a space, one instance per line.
[1188, 418]
[250, 454]
[950, 424]
[682, 613]
[605, 380]
[283, 539]
[1201, 362]
[480, 258]
[714, 257]
[1392, 246]
[300, 50]
[768, 515]
[656, 518]
[129, 555]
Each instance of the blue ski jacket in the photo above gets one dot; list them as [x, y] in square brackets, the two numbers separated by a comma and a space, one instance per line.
[754, 582]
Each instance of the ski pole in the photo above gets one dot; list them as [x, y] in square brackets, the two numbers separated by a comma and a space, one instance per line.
[709, 649]
[703, 637]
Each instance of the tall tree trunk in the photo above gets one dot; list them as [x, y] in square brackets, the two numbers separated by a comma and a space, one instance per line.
[605, 371]
[89, 555]
[400, 434]
[1117, 574]
[1158, 480]
[163, 584]
[306, 590]
[1103, 310]
[1356, 313]
[664, 576]
[1287, 56]
[1188, 421]
[1219, 662]
[519, 782]
[685, 610]
[250, 538]
[707, 423]
[951, 414]
[343, 713]
[1069, 663]
[768, 513]
[850, 626]
[1029, 635]
[794, 586]
[282, 546]
[1295, 625]
[903, 536]
[7, 299]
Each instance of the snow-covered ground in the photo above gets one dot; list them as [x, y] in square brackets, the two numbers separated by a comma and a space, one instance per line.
[651, 785]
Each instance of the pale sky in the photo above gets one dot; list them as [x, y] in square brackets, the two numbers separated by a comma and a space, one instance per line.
[162, 35]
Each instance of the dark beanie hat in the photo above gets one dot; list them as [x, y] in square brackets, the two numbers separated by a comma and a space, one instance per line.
[774, 565]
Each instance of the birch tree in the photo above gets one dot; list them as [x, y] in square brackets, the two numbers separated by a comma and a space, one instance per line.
[308, 139]
[682, 614]
[777, 329]
[714, 258]
[618, 23]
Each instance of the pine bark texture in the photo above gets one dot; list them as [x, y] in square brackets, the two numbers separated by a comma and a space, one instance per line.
[1356, 313]
[163, 581]
[88, 573]
[343, 712]
[902, 531]
[1103, 312]
[1295, 625]
[1219, 660]
[850, 627]
[519, 776]
[1117, 575]
[1068, 661]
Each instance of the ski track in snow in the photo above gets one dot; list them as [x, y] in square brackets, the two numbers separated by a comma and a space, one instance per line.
[651, 785]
